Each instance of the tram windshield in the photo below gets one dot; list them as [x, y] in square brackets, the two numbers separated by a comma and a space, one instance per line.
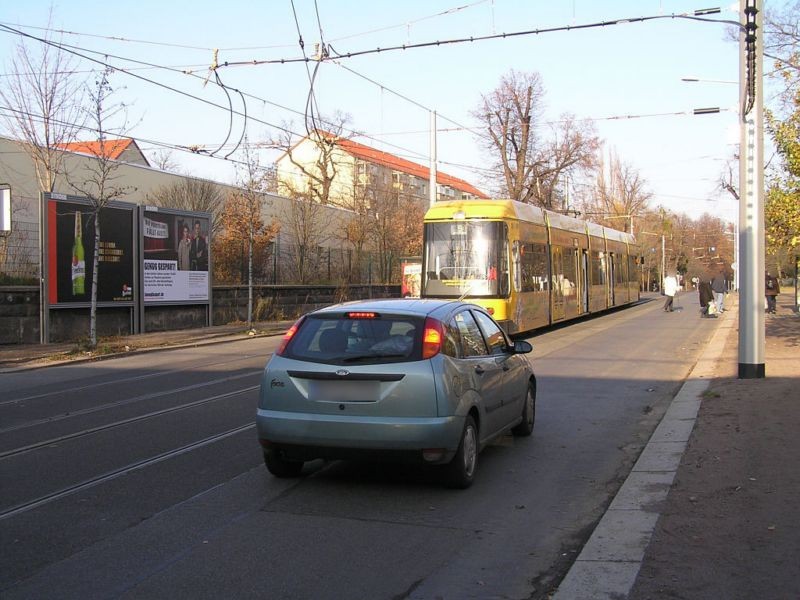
[465, 258]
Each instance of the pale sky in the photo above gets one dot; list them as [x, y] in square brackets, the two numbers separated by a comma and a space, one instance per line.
[600, 73]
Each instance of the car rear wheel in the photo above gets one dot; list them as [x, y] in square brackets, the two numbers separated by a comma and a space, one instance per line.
[279, 466]
[461, 470]
[525, 428]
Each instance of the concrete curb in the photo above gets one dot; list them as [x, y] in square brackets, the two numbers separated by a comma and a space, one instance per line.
[609, 563]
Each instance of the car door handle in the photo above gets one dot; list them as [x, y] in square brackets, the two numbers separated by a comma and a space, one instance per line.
[479, 370]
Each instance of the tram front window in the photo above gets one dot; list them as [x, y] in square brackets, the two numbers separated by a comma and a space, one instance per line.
[463, 257]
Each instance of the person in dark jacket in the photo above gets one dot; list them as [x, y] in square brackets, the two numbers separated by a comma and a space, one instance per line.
[706, 296]
[771, 289]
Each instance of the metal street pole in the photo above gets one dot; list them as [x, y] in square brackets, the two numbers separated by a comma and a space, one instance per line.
[751, 195]
[433, 159]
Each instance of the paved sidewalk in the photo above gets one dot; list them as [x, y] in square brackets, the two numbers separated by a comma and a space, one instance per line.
[710, 510]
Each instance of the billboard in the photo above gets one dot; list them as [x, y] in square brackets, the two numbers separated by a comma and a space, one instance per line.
[176, 250]
[411, 281]
[71, 227]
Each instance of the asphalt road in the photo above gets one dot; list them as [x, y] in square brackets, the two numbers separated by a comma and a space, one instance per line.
[141, 477]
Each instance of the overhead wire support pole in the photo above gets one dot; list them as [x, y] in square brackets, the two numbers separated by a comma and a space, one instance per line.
[433, 159]
[751, 197]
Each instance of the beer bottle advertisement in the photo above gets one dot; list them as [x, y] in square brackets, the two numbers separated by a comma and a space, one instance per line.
[78, 262]
[71, 233]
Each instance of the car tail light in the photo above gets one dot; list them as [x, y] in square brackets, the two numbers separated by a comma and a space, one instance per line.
[432, 338]
[362, 315]
[288, 336]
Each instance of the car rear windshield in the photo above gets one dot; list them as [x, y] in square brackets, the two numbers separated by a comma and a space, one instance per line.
[357, 338]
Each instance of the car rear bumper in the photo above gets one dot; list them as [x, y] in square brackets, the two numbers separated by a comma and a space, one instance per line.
[346, 436]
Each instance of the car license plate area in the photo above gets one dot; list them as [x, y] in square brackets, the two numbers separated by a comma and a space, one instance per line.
[344, 391]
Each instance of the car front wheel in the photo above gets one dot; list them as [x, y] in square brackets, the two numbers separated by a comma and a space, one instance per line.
[461, 470]
[279, 466]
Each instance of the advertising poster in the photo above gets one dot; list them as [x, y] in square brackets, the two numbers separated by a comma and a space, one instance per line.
[176, 257]
[71, 233]
[412, 279]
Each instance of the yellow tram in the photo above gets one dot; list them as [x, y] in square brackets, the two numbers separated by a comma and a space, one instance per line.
[528, 266]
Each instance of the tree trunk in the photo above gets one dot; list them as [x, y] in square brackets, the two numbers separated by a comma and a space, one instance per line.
[95, 268]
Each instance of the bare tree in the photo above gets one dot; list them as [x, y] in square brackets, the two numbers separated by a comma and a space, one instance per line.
[98, 178]
[783, 47]
[252, 181]
[192, 194]
[45, 104]
[164, 160]
[532, 161]
[306, 227]
[320, 172]
[618, 195]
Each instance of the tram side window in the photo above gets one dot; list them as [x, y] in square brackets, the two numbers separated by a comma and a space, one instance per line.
[598, 268]
[535, 271]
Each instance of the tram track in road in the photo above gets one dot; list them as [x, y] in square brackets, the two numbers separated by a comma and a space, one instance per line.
[134, 378]
[115, 473]
[70, 436]
[126, 402]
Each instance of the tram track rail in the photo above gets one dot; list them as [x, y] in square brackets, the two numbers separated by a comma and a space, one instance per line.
[131, 379]
[126, 402]
[115, 473]
[92, 430]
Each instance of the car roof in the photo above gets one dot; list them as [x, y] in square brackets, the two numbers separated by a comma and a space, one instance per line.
[411, 306]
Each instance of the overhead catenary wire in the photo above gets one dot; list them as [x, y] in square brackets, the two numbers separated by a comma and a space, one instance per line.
[481, 38]
[115, 38]
[74, 50]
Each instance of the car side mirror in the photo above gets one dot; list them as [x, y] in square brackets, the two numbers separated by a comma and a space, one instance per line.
[522, 347]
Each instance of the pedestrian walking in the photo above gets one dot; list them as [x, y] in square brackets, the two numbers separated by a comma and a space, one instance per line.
[706, 295]
[718, 286]
[771, 289]
[670, 289]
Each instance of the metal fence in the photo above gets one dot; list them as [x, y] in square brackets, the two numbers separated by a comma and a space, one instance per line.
[19, 255]
[287, 264]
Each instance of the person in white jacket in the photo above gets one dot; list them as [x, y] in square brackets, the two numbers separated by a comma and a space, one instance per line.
[670, 289]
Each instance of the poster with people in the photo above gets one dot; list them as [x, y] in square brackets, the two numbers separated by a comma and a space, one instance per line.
[70, 246]
[411, 283]
[176, 249]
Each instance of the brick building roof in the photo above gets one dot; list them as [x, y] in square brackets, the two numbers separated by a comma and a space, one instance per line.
[406, 166]
[114, 149]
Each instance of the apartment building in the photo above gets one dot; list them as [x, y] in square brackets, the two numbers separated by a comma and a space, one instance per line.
[359, 166]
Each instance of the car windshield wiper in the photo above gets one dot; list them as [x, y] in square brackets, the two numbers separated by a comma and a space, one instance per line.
[374, 355]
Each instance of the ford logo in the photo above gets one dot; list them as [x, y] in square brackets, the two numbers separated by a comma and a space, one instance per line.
[342, 372]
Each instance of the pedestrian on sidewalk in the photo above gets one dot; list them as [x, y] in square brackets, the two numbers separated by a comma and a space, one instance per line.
[670, 289]
[718, 286]
[706, 298]
[771, 289]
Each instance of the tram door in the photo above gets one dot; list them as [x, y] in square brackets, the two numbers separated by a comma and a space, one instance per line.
[583, 277]
[611, 278]
[558, 309]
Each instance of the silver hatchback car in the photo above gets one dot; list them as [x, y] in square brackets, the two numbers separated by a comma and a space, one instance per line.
[428, 380]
